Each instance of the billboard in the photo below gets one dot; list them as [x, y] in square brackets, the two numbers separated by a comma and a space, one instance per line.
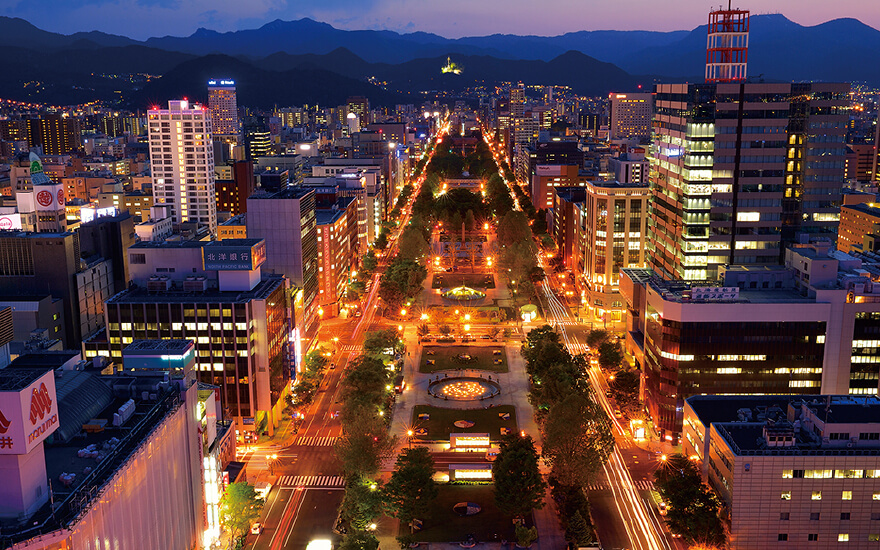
[49, 197]
[10, 221]
[28, 416]
[218, 256]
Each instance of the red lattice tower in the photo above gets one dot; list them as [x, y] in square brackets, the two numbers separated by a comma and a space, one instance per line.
[727, 48]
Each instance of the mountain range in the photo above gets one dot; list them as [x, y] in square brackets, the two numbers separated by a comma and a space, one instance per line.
[304, 61]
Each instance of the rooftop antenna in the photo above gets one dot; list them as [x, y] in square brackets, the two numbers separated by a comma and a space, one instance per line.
[727, 46]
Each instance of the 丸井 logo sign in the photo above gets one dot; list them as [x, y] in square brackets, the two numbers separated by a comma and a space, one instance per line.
[41, 403]
[4, 423]
[61, 197]
[44, 198]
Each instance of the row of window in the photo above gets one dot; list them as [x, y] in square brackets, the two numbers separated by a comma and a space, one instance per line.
[841, 537]
[837, 474]
[817, 495]
[814, 516]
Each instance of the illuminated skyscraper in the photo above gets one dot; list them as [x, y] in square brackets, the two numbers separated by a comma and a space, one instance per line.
[224, 107]
[182, 162]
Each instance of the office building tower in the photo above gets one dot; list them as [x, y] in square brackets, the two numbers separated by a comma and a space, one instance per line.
[224, 108]
[517, 101]
[859, 228]
[215, 294]
[600, 230]
[629, 116]
[286, 221]
[182, 163]
[360, 106]
[740, 170]
[55, 133]
[234, 183]
[337, 252]
[791, 471]
[805, 327]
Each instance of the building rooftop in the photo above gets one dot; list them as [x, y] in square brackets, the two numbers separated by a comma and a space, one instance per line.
[16, 379]
[869, 209]
[327, 216]
[51, 359]
[140, 295]
[238, 219]
[168, 244]
[287, 193]
[618, 185]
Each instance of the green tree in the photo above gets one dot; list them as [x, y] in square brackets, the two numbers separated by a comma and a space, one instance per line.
[413, 244]
[364, 444]
[240, 507]
[577, 440]
[411, 490]
[625, 387]
[401, 281]
[610, 355]
[423, 330]
[444, 329]
[380, 341]
[525, 536]
[361, 503]
[519, 488]
[470, 222]
[370, 262]
[597, 337]
[692, 507]
[382, 239]
[513, 228]
[359, 540]
[578, 530]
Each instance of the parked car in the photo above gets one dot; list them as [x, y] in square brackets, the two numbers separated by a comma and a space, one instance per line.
[662, 507]
[256, 528]
[617, 413]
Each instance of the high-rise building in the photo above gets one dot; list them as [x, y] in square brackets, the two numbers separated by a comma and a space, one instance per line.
[224, 108]
[182, 162]
[235, 183]
[360, 106]
[55, 133]
[286, 220]
[629, 115]
[859, 228]
[740, 170]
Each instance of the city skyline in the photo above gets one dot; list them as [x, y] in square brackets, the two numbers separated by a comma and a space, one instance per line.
[142, 19]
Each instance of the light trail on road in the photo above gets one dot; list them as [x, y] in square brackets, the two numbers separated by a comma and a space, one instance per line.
[643, 529]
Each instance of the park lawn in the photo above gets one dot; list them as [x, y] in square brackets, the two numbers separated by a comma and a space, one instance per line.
[472, 280]
[444, 525]
[444, 358]
[442, 421]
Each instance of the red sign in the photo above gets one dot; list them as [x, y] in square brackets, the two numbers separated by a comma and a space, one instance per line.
[41, 403]
[4, 423]
[44, 198]
[61, 197]
[5, 223]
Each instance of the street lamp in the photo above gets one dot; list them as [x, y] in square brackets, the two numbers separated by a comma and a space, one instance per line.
[409, 435]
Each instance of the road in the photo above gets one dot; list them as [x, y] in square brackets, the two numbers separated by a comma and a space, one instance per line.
[625, 515]
[304, 501]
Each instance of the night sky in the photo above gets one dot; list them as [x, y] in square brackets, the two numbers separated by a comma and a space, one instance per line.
[451, 18]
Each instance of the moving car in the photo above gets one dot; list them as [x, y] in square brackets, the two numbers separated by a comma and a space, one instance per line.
[662, 507]
[256, 528]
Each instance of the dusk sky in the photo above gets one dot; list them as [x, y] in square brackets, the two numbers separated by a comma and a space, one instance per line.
[451, 18]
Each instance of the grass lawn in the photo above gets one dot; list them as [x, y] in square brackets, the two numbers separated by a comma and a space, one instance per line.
[444, 525]
[444, 358]
[442, 421]
[473, 280]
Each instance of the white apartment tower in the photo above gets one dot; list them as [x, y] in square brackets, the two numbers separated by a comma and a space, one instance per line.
[182, 162]
[223, 104]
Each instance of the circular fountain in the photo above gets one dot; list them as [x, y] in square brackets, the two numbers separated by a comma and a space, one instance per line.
[464, 388]
[463, 294]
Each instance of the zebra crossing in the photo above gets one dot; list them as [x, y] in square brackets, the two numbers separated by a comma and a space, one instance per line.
[578, 348]
[640, 485]
[351, 348]
[314, 441]
[311, 481]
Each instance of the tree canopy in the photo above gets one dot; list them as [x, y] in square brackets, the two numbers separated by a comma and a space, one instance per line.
[240, 507]
[519, 487]
[411, 490]
[577, 440]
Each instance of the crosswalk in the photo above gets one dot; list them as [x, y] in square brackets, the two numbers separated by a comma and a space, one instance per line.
[640, 485]
[578, 348]
[315, 441]
[351, 348]
[311, 481]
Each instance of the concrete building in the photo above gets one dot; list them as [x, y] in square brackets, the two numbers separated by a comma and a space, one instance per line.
[286, 221]
[337, 253]
[234, 184]
[143, 443]
[859, 231]
[600, 230]
[860, 161]
[182, 162]
[741, 170]
[629, 116]
[215, 294]
[548, 177]
[630, 166]
[791, 471]
[809, 326]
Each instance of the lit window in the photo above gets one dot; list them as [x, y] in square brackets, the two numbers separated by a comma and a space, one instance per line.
[817, 495]
[843, 537]
[786, 495]
[846, 495]
[787, 474]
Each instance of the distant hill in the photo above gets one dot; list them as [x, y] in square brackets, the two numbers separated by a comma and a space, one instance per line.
[291, 62]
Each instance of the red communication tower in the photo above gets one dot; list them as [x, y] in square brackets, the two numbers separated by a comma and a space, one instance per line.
[727, 48]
